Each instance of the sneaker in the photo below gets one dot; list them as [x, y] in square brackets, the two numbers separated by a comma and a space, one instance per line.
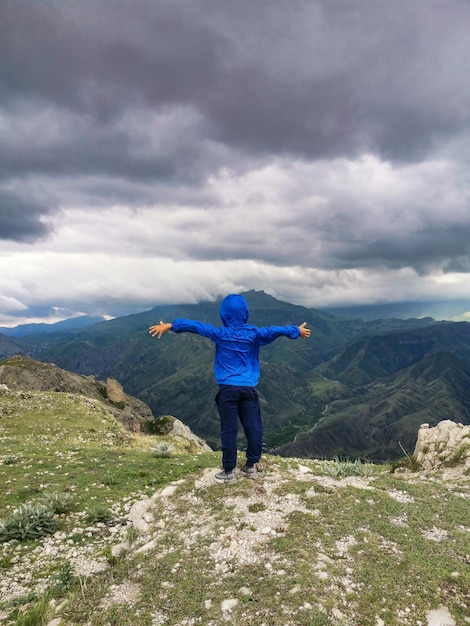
[225, 477]
[250, 471]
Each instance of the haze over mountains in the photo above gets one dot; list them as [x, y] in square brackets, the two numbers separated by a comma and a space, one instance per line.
[451, 310]
[355, 389]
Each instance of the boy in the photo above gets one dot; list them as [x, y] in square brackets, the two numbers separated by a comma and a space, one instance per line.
[237, 370]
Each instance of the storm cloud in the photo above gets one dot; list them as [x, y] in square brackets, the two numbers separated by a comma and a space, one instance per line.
[314, 149]
[23, 218]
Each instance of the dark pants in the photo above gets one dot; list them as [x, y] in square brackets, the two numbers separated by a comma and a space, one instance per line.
[239, 403]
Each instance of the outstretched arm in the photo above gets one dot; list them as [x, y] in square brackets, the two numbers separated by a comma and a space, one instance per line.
[159, 329]
[267, 334]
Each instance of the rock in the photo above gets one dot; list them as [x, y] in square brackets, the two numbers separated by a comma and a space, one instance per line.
[148, 518]
[147, 547]
[228, 605]
[114, 391]
[167, 491]
[445, 445]
[119, 549]
[182, 434]
[137, 513]
[440, 617]
[244, 591]
[338, 615]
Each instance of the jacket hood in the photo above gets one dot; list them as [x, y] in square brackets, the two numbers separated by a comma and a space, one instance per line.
[234, 310]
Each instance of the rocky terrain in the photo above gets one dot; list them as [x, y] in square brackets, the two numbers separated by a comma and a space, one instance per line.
[243, 552]
[149, 538]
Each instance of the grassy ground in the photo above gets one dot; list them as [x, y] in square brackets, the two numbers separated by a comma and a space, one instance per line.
[67, 443]
[308, 543]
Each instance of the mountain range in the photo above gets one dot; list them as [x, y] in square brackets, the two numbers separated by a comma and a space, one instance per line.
[355, 389]
[80, 321]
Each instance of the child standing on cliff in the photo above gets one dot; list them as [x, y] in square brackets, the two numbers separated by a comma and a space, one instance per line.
[236, 370]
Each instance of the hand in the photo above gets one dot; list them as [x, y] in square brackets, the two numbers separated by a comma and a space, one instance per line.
[159, 329]
[304, 332]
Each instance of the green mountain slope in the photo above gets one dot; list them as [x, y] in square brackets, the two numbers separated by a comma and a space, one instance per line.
[9, 346]
[383, 420]
[362, 361]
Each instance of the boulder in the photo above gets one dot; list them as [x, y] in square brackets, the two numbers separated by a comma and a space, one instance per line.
[167, 425]
[114, 391]
[445, 445]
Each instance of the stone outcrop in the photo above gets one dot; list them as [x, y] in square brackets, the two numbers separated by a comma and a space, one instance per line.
[21, 373]
[115, 391]
[179, 432]
[445, 445]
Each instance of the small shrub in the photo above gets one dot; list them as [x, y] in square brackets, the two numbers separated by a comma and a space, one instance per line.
[163, 450]
[59, 502]
[28, 521]
[11, 459]
[257, 507]
[102, 391]
[64, 580]
[163, 425]
[35, 616]
[99, 513]
[131, 535]
[341, 468]
[407, 463]
[109, 479]
[459, 455]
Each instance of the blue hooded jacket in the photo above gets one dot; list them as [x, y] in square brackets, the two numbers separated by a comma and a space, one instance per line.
[237, 343]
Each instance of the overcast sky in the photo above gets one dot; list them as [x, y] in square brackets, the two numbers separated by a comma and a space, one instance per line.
[156, 151]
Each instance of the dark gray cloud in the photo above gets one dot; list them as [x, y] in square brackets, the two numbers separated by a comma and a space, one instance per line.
[241, 144]
[423, 250]
[23, 219]
[308, 79]
[100, 57]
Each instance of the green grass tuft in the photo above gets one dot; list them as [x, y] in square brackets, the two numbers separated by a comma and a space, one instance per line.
[163, 450]
[28, 521]
[99, 514]
[60, 503]
[341, 468]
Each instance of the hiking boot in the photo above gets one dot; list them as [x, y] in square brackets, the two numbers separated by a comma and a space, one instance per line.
[250, 471]
[225, 477]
